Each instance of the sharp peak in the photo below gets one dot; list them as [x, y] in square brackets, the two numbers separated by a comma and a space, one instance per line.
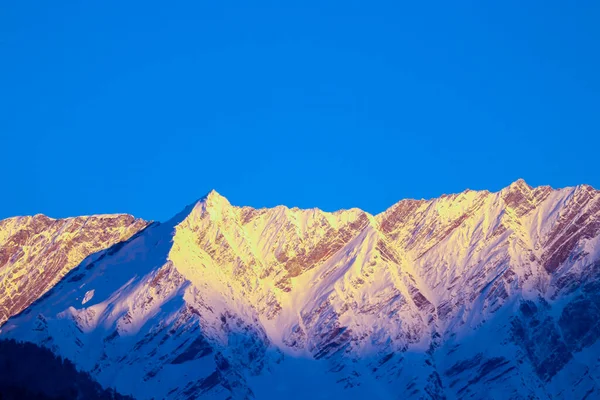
[520, 183]
[212, 199]
[212, 195]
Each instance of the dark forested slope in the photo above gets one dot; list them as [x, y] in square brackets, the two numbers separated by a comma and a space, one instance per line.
[28, 371]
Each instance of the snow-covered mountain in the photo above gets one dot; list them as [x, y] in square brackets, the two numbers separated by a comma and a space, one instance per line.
[474, 295]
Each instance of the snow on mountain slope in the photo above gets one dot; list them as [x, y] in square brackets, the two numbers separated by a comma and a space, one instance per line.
[36, 252]
[473, 295]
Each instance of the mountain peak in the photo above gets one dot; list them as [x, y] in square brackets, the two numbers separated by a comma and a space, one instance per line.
[214, 198]
[212, 202]
[213, 193]
[520, 184]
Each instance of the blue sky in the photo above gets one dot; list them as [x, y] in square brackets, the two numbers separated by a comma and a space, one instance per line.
[142, 107]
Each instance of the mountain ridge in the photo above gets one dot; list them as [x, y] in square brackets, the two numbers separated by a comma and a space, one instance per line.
[228, 297]
[213, 193]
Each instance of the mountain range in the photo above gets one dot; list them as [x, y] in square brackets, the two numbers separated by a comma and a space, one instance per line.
[476, 295]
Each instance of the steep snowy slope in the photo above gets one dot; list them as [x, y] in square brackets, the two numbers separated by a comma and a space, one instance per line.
[36, 252]
[474, 295]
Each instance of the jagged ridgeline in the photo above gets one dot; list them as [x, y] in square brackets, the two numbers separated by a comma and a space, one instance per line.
[467, 296]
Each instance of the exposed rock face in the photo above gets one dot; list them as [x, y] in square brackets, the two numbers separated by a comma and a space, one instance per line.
[473, 295]
[36, 252]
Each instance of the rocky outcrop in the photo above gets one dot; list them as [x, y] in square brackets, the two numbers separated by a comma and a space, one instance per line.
[36, 252]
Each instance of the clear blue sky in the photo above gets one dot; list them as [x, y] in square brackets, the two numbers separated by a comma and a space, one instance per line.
[142, 107]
